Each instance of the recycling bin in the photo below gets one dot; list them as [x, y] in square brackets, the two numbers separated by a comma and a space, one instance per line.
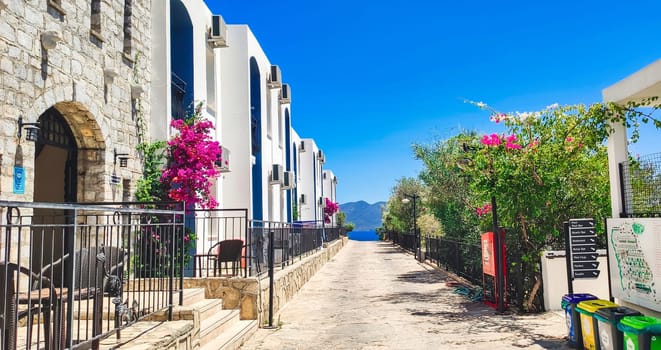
[609, 337]
[569, 302]
[586, 309]
[640, 332]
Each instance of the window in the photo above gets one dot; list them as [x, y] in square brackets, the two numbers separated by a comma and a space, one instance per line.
[128, 34]
[56, 5]
[95, 19]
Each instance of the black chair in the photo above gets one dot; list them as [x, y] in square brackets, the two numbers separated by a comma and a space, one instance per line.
[40, 299]
[225, 252]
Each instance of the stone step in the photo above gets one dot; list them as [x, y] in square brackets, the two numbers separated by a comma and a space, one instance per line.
[192, 296]
[232, 338]
[208, 307]
[216, 325]
[147, 335]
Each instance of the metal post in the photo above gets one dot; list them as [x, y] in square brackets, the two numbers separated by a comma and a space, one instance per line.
[271, 282]
[500, 304]
[570, 278]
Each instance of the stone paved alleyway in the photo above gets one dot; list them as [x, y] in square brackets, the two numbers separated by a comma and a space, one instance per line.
[374, 296]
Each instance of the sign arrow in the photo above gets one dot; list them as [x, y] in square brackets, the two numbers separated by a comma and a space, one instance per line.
[591, 248]
[584, 240]
[586, 274]
[581, 223]
[585, 265]
[585, 256]
[590, 231]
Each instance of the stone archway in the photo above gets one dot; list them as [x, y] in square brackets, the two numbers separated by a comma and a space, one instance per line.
[91, 149]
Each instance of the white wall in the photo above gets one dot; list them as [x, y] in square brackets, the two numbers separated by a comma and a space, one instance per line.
[554, 276]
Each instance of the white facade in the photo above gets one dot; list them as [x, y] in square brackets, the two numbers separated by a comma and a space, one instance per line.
[250, 107]
[253, 129]
[330, 189]
[310, 187]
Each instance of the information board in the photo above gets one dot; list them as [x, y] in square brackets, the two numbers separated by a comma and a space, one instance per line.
[635, 260]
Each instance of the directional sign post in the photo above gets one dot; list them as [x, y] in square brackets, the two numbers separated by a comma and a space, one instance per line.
[583, 248]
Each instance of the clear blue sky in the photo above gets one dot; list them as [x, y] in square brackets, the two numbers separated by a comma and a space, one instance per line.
[370, 78]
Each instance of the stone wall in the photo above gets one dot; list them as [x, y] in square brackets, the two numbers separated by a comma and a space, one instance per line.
[71, 78]
[251, 295]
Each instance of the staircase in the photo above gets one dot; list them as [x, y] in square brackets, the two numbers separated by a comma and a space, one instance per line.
[219, 329]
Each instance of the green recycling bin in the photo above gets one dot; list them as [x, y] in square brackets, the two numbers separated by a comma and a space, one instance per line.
[569, 302]
[640, 332]
[609, 337]
[589, 330]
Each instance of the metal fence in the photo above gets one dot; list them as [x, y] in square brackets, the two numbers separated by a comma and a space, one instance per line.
[72, 274]
[404, 240]
[640, 181]
[290, 241]
[461, 258]
[220, 237]
[228, 244]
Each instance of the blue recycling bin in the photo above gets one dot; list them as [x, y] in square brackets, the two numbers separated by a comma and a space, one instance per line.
[572, 317]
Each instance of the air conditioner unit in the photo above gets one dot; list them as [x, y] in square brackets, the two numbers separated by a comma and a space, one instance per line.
[289, 180]
[277, 173]
[218, 32]
[321, 156]
[285, 94]
[303, 199]
[302, 149]
[275, 81]
[223, 163]
[322, 202]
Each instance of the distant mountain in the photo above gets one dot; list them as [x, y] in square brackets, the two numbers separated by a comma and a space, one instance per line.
[365, 216]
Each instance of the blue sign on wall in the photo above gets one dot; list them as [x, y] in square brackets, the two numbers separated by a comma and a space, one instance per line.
[19, 180]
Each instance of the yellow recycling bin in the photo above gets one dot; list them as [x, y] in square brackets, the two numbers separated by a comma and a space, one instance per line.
[589, 328]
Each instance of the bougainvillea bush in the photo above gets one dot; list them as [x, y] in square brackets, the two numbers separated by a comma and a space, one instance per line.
[192, 156]
[330, 209]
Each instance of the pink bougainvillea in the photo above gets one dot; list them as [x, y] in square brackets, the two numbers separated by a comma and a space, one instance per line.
[192, 156]
[330, 209]
[483, 210]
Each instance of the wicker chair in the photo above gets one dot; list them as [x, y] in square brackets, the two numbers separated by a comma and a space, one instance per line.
[224, 252]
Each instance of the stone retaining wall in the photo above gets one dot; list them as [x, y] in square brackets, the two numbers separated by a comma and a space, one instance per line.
[251, 295]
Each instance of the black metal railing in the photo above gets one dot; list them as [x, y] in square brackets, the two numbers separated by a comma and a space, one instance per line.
[461, 258]
[229, 244]
[290, 241]
[404, 240]
[178, 94]
[640, 182]
[221, 238]
[72, 274]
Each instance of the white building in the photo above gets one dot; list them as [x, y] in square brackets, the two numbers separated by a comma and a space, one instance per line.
[310, 187]
[330, 189]
[199, 58]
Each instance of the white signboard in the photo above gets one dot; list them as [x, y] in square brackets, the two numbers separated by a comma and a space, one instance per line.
[634, 247]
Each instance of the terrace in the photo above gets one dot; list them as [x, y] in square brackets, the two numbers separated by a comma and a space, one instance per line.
[80, 276]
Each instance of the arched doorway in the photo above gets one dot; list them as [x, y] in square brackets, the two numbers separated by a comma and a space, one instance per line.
[56, 160]
[55, 181]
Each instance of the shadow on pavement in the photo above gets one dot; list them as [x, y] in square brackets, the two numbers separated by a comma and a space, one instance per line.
[423, 277]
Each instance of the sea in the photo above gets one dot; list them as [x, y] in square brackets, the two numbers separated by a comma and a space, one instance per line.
[363, 236]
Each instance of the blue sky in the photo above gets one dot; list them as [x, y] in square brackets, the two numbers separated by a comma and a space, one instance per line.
[370, 78]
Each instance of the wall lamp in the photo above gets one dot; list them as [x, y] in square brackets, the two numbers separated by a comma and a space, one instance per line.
[109, 75]
[50, 39]
[123, 158]
[31, 130]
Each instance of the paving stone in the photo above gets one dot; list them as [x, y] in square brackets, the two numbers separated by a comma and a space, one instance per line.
[372, 295]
